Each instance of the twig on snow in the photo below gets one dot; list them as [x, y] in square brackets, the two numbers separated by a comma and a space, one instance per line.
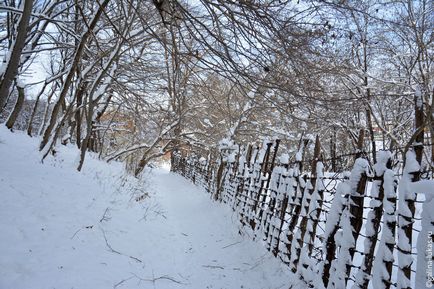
[231, 244]
[213, 267]
[115, 251]
[75, 233]
[85, 227]
[153, 280]
[104, 216]
[122, 281]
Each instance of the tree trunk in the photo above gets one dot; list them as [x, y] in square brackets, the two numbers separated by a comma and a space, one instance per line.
[86, 140]
[17, 108]
[372, 136]
[15, 54]
[78, 116]
[47, 110]
[35, 108]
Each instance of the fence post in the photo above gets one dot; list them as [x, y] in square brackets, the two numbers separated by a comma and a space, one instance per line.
[268, 170]
[208, 171]
[384, 162]
[304, 212]
[260, 184]
[229, 178]
[295, 207]
[243, 167]
[383, 262]
[406, 210]
[284, 176]
[316, 206]
[182, 165]
[273, 195]
[174, 160]
[339, 203]
[251, 161]
[193, 168]
[424, 278]
[358, 194]
[219, 180]
[351, 219]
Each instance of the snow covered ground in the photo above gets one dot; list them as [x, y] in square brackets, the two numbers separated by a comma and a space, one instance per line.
[103, 229]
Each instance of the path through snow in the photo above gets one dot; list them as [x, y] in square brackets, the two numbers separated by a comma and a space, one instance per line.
[64, 229]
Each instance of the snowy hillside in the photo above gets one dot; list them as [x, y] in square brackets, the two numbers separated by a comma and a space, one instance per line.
[103, 229]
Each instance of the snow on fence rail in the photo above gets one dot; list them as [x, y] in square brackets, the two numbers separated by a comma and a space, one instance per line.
[334, 230]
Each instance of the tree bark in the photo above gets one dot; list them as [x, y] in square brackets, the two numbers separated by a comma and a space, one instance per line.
[78, 116]
[17, 108]
[15, 54]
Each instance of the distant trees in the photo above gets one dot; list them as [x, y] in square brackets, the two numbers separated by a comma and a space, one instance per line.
[135, 80]
[386, 49]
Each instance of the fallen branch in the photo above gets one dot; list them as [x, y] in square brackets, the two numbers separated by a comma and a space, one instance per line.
[213, 267]
[164, 277]
[115, 251]
[231, 244]
[153, 280]
[76, 232]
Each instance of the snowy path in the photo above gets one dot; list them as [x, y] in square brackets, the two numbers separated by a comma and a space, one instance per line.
[63, 229]
[206, 247]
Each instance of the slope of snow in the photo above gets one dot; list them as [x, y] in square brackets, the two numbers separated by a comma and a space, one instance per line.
[103, 229]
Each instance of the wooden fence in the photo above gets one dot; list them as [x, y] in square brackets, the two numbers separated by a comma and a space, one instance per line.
[334, 230]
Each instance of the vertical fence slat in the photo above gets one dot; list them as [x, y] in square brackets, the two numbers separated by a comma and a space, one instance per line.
[264, 193]
[296, 202]
[305, 213]
[283, 187]
[383, 262]
[406, 210]
[339, 203]
[373, 219]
